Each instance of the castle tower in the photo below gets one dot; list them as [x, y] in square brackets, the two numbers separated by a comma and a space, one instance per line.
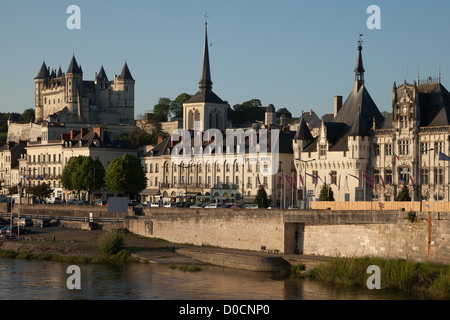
[40, 81]
[205, 110]
[125, 84]
[74, 86]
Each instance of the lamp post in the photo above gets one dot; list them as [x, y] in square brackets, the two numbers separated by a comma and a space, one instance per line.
[305, 201]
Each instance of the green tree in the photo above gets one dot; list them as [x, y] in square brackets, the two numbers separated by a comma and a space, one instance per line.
[161, 110]
[326, 193]
[404, 194]
[261, 197]
[125, 175]
[83, 173]
[176, 108]
[247, 111]
[13, 190]
[41, 191]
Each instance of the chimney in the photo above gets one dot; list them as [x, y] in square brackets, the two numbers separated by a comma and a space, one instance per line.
[337, 104]
[84, 131]
[160, 139]
[98, 131]
[73, 133]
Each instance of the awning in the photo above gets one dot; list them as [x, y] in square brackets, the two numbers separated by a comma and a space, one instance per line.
[149, 192]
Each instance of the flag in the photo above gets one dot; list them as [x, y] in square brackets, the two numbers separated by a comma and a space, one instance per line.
[281, 180]
[301, 180]
[25, 178]
[412, 182]
[398, 159]
[339, 186]
[257, 175]
[332, 179]
[382, 180]
[287, 179]
[354, 176]
[295, 180]
[40, 178]
[369, 181]
[443, 157]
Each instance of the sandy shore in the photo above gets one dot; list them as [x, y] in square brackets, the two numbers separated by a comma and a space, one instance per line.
[75, 242]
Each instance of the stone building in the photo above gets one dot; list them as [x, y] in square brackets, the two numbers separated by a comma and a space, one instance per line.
[410, 148]
[237, 176]
[340, 154]
[70, 98]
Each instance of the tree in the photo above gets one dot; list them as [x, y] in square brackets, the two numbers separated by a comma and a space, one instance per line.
[261, 197]
[83, 173]
[176, 108]
[161, 110]
[125, 175]
[247, 111]
[326, 193]
[404, 194]
[13, 190]
[41, 191]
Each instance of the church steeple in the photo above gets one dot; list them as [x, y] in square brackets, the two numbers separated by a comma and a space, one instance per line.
[359, 70]
[205, 81]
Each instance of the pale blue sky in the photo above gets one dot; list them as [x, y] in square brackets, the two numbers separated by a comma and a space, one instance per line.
[290, 53]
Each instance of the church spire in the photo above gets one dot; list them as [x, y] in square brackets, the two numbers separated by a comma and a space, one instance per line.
[205, 81]
[359, 70]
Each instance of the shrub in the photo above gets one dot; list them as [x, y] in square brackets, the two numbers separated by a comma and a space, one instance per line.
[111, 243]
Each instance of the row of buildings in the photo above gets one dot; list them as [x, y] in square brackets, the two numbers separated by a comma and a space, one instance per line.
[361, 154]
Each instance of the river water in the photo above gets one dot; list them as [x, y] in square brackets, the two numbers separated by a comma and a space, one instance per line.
[41, 280]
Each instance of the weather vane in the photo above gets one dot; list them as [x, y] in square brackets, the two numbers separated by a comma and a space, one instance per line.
[360, 42]
[206, 17]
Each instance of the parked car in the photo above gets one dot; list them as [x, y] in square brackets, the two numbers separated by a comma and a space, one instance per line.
[213, 206]
[101, 203]
[25, 222]
[42, 223]
[140, 205]
[251, 206]
[155, 205]
[16, 230]
[183, 204]
[82, 203]
[236, 206]
[3, 230]
[273, 207]
[71, 201]
[292, 208]
[54, 200]
[3, 221]
[170, 205]
[198, 205]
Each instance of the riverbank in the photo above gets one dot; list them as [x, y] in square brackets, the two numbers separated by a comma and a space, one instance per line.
[424, 280]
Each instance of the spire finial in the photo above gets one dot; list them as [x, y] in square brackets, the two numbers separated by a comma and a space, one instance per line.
[360, 42]
[206, 17]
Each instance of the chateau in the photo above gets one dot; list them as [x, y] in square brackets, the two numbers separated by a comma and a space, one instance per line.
[69, 98]
[364, 157]
[235, 177]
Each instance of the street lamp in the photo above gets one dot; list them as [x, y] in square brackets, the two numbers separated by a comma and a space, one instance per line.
[305, 201]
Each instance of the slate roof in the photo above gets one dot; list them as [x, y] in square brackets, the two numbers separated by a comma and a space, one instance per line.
[73, 67]
[360, 102]
[126, 74]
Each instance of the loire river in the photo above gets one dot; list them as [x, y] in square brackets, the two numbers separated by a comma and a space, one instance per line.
[37, 280]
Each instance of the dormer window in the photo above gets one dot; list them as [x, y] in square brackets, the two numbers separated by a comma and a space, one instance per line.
[323, 150]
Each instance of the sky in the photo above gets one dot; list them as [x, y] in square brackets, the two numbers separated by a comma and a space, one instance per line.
[290, 53]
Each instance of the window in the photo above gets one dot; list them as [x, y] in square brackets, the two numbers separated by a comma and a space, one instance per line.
[424, 148]
[403, 175]
[376, 149]
[438, 147]
[265, 182]
[403, 122]
[334, 177]
[388, 176]
[438, 176]
[315, 175]
[377, 176]
[388, 149]
[404, 147]
[237, 180]
[323, 150]
[425, 176]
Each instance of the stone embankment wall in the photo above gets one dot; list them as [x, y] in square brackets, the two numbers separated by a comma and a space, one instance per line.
[315, 232]
[227, 228]
[61, 210]
[426, 239]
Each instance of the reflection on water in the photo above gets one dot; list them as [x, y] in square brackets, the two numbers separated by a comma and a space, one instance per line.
[31, 280]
